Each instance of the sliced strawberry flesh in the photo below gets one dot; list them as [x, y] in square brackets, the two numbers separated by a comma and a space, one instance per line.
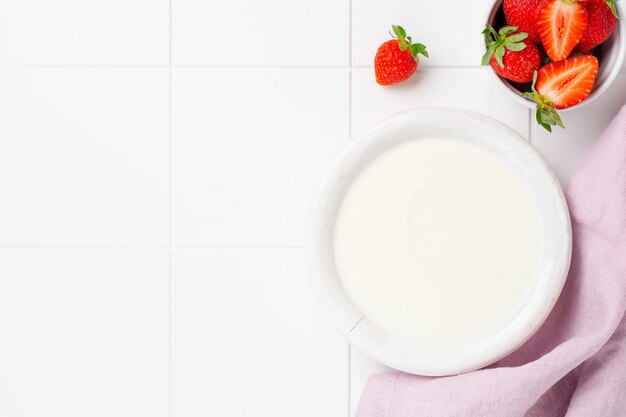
[561, 24]
[567, 83]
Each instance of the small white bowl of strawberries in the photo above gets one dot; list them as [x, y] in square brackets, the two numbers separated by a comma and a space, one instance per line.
[554, 55]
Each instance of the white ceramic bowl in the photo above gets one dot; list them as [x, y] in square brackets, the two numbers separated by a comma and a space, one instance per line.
[610, 54]
[482, 349]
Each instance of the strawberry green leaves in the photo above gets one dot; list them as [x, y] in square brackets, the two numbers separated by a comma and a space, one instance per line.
[546, 114]
[398, 32]
[406, 42]
[498, 42]
[418, 48]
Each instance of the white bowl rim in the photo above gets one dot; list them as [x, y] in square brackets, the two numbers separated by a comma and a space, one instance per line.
[596, 92]
[482, 350]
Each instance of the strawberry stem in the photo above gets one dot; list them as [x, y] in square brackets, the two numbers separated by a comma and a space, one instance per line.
[546, 114]
[406, 42]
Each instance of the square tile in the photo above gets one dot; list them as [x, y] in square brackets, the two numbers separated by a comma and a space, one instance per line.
[84, 333]
[249, 148]
[566, 149]
[84, 157]
[450, 30]
[249, 340]
[266, 33]
[78, 32]
[471, 89]
[361, 368]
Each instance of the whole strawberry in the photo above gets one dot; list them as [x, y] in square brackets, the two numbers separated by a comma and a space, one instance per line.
[509, 55]
[397, 59]
[601, 20]
[522, 13]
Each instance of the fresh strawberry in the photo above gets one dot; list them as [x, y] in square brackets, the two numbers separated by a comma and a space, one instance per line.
[522, 13]
[562, 84]
[561, 25]
[397, 59]
[510, 55]
[601, 20]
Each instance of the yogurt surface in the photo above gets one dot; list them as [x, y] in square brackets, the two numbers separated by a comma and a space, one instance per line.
[436, 240]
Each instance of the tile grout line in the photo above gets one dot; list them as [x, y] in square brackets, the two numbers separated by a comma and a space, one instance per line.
[151, 247]
[170, 158]
[351, 7]
[170, 409]
[235, 247]
[170, 251]
[169, 358]
[264, 67]
[83, 66]
[176, 66]
[172, 66]
[118, 247]
[350, 100]
[171, 33]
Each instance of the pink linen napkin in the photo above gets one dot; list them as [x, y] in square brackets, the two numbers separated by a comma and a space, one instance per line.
[575, 365]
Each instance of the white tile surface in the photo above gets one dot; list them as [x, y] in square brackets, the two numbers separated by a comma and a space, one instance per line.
[566, 149]
[470, 89]
[71, 32]
[85, 161]
[249, 149]
[450, 30]
[249, 340]
[83, 157]
[252, 32]
[84, 333]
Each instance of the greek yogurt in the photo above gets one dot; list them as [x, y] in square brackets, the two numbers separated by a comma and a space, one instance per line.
[436, 240]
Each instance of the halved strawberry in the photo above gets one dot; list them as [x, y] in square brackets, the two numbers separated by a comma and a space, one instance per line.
[562, 84]
[561, 25]
[510, 55]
